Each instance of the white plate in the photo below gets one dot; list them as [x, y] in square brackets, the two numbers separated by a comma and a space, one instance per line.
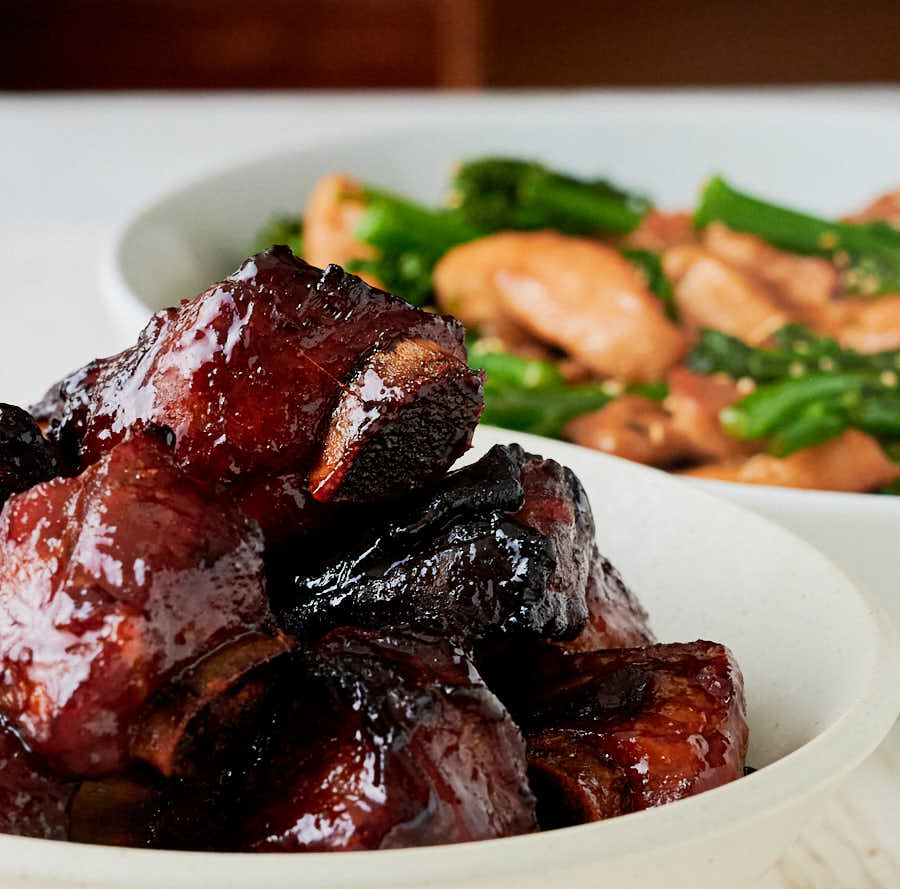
[820, 666]
[826, 156]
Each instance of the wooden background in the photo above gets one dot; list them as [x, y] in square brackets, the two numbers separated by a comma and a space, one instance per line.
[166, 44]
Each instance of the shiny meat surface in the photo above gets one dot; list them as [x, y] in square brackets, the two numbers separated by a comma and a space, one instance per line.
[852, 462]
[575, 294]
[26, 457]
[501, 546]
[215, 371]
[641, 727]
[412, 405]
[284, 508]
[404, 746]
[109, 583]
[33, 801]
[192, 725]
[616, 618]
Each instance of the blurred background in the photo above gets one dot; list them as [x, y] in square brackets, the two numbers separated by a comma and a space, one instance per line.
[235, 44]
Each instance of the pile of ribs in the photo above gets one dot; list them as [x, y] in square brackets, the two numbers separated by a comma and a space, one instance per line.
[238, 578]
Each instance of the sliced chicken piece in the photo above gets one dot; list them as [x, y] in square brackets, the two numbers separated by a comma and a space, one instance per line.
[694, 403]
[711, 293]
[852, 462]
[885, 208]
[575, 294]
[798, 280]
[865, 325]
[660, 230]
[332, 215]
[632, 427]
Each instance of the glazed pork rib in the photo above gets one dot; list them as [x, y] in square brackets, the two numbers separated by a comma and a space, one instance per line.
[503, 547]
[499, 547]
[616, 731]
[280, 369]
[26, 457]
[304, 413]
[396, 742]
[33, 801]
[109, 583]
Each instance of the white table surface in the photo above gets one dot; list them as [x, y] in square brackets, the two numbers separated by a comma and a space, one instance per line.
[72, 167]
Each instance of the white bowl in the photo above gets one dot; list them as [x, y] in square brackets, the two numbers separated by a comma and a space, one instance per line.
[820, 666]
[826, 156]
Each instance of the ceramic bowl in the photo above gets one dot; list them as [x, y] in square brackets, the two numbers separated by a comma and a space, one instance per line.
[197, 233]
[820, 667]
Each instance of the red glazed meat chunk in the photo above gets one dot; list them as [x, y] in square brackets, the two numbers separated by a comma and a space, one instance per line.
[33, 802]
[406, 406]
[616, 618]
[26, 457]
[248, 374]
[627, 729]
[109, 583]
[398, 743]
[500, 547]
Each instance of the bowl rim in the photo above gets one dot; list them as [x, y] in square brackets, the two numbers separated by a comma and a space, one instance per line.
[130, 310]
[815, 766]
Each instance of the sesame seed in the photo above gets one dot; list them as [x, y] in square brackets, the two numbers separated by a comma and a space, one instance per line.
[828, 240]
[826, 363]
[801, 347]
[889, 378]
[869, 285]
[613, 387]
[657, 432]
[841, 259]
[797, 369]
[746, 385]
[488, 344]
[532, 375]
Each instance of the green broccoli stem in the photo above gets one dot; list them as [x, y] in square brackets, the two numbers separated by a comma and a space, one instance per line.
[513, 370]
[871, 249]
[393, 223]
[798, 351]
[815, 424]
[287, 230]
[879, 415]
[540, 410]
[585, 210]
[503, 193]
[649, 264]
[770, 407]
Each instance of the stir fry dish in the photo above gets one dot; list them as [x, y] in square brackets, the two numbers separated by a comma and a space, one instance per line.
[246, 604]
[743, 341]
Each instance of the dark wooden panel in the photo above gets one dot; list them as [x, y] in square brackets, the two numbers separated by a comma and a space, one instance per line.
[120, 44]
[77, 44]
[582, 42]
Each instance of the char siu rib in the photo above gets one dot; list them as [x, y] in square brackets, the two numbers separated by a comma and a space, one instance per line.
[499, 547]
[283, 368]
[26, 457]
[109, 583]
[394, 741]
[615, 731]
